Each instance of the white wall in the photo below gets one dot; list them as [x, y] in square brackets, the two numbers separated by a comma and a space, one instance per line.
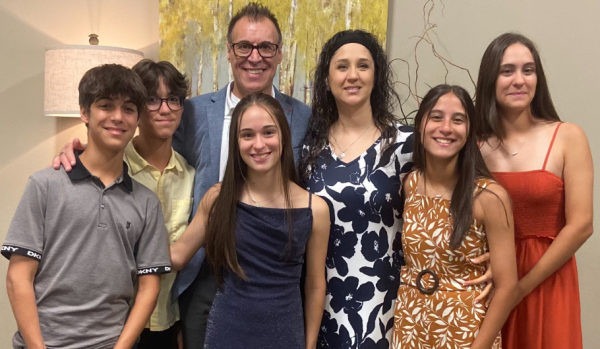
[28, 139]
[566, 33]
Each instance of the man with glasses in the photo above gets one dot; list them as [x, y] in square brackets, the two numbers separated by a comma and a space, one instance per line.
[254, 51]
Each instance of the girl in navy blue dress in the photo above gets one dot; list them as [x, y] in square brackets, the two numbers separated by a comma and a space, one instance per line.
[355, 153]
[259, 224]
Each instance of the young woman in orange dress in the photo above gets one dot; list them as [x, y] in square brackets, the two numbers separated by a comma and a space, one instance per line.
[546, 167]
[454, 211]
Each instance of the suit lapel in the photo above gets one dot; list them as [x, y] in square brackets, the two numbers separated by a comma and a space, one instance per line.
[215, 112]
[287, 109]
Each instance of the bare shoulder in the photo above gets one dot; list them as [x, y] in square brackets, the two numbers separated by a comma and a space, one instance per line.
[493, 197]
[319, 206]
[571, 132]
[210, 196]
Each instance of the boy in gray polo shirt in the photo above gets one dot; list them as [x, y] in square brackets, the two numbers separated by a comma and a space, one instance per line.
[79, 241]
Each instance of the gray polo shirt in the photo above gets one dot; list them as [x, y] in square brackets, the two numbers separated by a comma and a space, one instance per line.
[91, 242]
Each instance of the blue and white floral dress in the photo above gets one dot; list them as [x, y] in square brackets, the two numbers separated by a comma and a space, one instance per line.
[364, 254]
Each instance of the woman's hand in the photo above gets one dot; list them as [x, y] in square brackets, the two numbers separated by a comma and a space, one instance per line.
[486, 279]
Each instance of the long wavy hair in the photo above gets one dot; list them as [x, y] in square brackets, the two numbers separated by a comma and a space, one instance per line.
[485, 100]
[220, 231]
[471, 165]
[324, 109]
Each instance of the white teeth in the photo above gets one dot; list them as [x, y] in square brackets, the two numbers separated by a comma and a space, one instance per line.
[262, 156]
[255, 71]
[443, 141]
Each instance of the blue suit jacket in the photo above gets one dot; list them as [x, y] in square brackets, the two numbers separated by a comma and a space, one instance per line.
[198, 139]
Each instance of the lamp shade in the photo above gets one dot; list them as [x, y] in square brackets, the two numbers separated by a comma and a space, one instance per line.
[64, 67]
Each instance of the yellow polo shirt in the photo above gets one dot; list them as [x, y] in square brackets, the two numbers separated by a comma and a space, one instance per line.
[174, 188]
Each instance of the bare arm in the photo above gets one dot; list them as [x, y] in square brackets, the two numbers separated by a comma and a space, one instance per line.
[315, 287]
[145, 301]
[578, 174]
[498, 222]
[66, 158]
[193, 237]
[19, 285]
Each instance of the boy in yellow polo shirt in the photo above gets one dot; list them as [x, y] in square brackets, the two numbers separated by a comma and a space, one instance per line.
[153, 162]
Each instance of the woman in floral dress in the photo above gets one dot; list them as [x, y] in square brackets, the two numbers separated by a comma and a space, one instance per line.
[453, 212]
[355, 152]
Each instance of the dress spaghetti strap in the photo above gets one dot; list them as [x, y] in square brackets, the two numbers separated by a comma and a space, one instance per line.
[550, 147]
[310, 199]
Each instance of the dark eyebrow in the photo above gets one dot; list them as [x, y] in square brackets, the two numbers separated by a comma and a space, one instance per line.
[512, 66]
[264, 127]
[453, 115]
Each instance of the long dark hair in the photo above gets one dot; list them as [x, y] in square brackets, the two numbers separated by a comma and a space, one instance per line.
[485, 100]
[324, 109]
[470, 164]
[220, 230]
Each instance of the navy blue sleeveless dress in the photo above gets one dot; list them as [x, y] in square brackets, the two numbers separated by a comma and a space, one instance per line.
[265, 311]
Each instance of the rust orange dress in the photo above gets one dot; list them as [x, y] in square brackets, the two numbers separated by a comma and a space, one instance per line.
[427, 315]
[549, 317]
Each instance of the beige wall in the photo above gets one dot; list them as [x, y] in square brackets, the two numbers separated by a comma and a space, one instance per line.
[28, 139]
[566, 33]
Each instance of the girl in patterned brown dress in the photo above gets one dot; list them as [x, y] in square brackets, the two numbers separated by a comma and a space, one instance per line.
[453, 213]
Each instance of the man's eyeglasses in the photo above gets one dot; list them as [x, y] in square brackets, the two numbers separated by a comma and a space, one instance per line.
[244, 49]
[154, 103]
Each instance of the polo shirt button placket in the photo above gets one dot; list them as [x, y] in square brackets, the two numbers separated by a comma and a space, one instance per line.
[102, 215]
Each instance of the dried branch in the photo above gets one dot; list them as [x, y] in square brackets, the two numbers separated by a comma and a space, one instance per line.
[428, 28]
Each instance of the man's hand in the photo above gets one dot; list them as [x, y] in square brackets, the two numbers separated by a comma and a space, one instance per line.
[66, 158]
[485, 279]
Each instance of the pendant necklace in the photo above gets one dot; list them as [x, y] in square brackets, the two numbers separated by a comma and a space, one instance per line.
[520, 147]
[436, 195]
[343, 153]
[260, 203]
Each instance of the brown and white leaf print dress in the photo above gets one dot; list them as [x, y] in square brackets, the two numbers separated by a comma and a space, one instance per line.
[447, 318]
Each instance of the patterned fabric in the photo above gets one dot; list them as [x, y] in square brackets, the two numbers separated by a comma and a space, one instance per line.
[362, 265]
[448, 318]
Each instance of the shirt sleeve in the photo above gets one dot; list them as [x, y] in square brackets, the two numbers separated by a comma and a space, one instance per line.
[26, 232]
[153, 245]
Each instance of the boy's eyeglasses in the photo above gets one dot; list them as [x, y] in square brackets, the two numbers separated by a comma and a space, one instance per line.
[244, 49]
[154, 103]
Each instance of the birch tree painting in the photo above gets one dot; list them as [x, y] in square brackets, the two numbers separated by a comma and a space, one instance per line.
[193, 37]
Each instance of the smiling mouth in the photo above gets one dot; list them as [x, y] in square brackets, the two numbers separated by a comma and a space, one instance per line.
[260, 156]
[255, 71]
[443, 140]
[116, 131]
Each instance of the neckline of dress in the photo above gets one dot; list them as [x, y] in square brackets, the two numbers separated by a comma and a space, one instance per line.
[335, 157]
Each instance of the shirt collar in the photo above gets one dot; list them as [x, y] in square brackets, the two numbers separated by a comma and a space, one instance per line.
[232, 100]
[79, 171]
[138, 163]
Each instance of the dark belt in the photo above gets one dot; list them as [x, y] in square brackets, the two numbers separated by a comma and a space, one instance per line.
[435, 279]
